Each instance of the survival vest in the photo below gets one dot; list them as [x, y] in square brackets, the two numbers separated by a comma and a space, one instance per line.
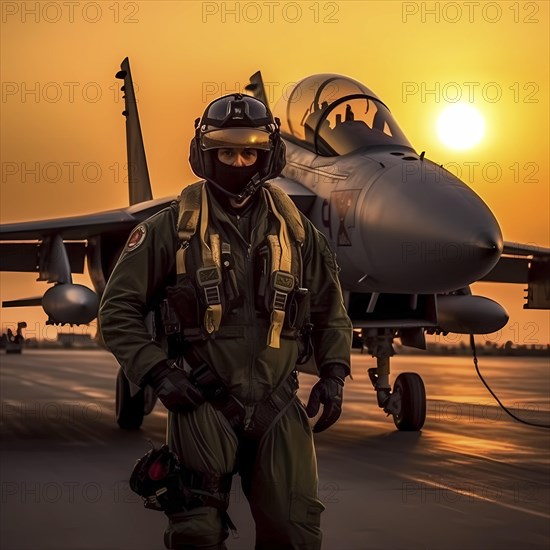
[285, 267]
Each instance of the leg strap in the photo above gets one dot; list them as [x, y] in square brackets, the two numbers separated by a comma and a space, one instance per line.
[267, 412]
[208, 489]
[216, 393]
[211, 483]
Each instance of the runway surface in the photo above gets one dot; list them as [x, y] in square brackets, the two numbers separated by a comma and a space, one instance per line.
[472, 479]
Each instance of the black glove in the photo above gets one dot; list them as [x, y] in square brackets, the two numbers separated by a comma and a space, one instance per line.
[174, 389]
[328, 391]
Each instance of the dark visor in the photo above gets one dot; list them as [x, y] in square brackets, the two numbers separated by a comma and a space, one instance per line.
[251, 138]
[220, 110]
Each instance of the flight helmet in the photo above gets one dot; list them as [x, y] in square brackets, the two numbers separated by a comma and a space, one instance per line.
[237, 121]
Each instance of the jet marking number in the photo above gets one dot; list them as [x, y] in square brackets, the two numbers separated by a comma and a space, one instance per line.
[343, 202]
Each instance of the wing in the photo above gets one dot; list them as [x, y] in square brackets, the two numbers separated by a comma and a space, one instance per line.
[74, 231]
[525, 264]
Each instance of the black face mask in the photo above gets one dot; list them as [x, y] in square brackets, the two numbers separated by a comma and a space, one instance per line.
[233, 178]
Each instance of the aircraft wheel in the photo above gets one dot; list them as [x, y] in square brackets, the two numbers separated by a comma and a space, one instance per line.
[412, 415]
[129, 410]
[150, 400]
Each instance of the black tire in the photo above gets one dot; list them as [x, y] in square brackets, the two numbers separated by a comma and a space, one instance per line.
[129, 410]
[412, 416]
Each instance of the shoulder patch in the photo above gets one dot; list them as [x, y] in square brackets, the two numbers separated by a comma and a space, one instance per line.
[136, 237]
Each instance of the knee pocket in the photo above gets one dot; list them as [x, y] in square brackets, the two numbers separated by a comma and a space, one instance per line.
[197, 527]
[306, 509]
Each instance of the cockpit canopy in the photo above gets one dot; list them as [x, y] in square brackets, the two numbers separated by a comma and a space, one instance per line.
[331, 115]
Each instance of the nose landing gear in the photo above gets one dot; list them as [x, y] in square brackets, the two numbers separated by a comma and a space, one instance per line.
[407, 402]
[412, 413]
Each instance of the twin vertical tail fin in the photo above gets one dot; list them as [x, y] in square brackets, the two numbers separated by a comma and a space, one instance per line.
[256, 87]
[139, 186]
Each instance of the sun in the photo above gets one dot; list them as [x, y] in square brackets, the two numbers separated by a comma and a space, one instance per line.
[460, 126]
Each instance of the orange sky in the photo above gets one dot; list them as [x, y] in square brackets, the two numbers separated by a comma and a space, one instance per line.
[60, 106]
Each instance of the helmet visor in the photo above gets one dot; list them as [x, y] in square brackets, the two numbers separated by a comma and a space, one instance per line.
[250, 138]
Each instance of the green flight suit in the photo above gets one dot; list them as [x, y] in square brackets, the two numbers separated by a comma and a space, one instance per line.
[279, 474]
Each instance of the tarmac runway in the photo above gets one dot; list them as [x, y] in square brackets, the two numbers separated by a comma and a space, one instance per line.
[472, 479]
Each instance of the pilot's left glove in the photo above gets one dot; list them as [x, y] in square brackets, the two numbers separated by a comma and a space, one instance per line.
[174, 388]
[328, 391]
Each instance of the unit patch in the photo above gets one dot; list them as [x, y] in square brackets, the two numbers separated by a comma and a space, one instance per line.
[136, 238]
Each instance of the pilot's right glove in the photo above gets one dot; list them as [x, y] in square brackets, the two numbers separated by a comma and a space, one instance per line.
[328, 391]
[173, 387]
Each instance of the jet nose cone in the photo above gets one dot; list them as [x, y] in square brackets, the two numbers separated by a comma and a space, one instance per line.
[429, 235]
[490, 245]
[486, 247]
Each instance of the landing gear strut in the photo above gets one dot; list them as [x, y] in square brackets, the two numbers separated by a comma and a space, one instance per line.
[407, 402]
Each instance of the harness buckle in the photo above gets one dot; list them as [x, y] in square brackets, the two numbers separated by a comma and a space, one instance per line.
[279, 300]
[283, 284]
[282, 280]
[209, 279]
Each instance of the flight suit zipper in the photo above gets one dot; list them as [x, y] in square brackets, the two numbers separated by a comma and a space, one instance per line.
[249, 304]
[250, 299]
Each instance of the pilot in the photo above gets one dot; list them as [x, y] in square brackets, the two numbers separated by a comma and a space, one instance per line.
[244, 287]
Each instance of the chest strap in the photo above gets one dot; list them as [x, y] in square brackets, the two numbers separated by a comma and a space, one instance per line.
[209, 277]
[288, 210]
[188, 218]
[282, 280]
[194, 206]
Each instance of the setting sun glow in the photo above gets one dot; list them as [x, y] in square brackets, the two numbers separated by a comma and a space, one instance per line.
[62, 135]
[460, 126]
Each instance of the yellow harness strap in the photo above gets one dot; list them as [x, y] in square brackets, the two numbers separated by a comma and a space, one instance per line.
[188, 218]
[276, 252]
[281, 278]
[288, 210]
[194, 206]
[209, 276]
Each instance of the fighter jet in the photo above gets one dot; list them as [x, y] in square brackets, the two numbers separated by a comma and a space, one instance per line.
[409, 236]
